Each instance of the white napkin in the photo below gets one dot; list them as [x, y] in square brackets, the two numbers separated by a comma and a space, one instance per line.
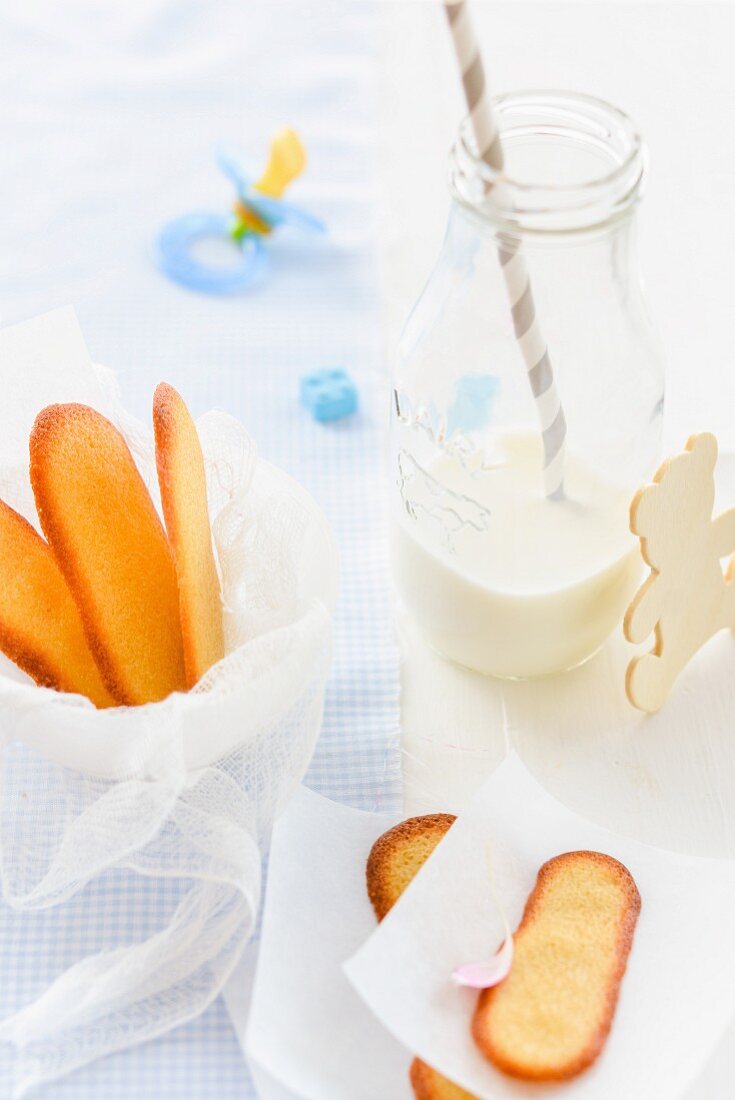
[677, 995]
[309, 1035]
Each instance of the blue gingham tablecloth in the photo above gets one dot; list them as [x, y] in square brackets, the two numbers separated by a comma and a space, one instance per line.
[110, 117]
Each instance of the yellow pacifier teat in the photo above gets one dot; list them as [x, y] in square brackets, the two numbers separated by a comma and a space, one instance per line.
[286, 162]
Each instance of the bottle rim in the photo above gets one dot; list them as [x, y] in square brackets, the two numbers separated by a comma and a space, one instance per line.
[562, 121]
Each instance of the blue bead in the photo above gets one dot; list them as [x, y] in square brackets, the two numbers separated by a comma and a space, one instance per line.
[328, 394]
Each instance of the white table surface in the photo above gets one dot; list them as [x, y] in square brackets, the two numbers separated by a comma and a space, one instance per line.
[670, 66]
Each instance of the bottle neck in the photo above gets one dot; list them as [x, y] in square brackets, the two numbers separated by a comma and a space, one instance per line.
[573, 165]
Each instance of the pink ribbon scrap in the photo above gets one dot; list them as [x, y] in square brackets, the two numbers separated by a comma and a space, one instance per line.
[486, 975]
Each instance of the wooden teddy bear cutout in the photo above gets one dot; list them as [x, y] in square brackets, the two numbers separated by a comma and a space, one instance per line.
[687, 598]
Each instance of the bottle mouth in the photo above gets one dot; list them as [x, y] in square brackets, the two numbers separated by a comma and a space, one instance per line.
[571, 162]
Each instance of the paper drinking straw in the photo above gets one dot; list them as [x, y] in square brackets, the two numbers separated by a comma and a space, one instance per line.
[525, 322]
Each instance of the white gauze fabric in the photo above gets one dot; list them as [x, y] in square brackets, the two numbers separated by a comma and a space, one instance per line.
[184, 788]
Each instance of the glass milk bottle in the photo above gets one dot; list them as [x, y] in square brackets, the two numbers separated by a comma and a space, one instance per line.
[510, 568]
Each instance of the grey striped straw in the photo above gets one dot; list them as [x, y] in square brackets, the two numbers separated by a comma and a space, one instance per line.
[525, 321]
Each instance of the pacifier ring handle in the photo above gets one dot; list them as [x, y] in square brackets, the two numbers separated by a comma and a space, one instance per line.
[176, 259]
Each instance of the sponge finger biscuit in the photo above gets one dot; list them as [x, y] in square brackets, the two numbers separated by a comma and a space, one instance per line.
[110, 545]
[399, 854]
[184, 498]
[40, 627]
[428, 1084]
[549, 1019]
[396, 857]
